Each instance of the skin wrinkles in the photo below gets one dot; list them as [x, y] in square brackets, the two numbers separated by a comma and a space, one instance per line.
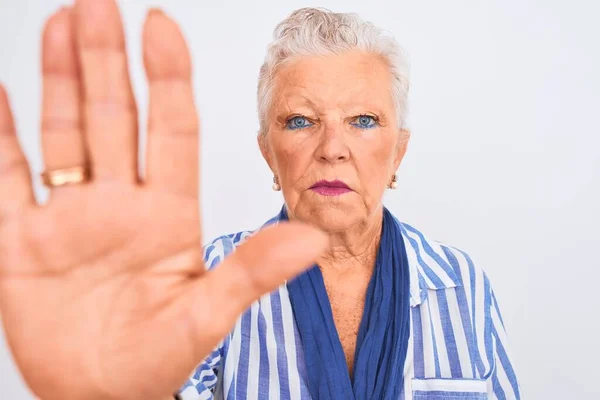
[331, 92]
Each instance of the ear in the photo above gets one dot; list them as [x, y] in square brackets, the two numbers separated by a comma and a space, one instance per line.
[401, 148]
[265, 149]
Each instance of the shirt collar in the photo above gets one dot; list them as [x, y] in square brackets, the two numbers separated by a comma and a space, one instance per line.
[428, 264]
[427, 261]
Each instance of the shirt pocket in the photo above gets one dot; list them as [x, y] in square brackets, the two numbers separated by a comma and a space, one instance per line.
[450, 389]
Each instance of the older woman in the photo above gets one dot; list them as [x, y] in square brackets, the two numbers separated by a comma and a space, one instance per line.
[102, 290]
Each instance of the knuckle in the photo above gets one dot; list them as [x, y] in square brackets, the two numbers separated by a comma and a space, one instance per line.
[55, 125]
[174, 122]
[102, 107]
[105, 74]
[6, 128]
[181, 131]
[12, 165]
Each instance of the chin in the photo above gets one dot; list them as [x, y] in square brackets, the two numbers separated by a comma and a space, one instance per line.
[328, 217]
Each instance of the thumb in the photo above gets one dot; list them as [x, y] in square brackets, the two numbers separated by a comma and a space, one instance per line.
[258, 266]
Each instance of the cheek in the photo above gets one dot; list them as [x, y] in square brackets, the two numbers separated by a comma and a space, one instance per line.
[374, 160]
[292, 161]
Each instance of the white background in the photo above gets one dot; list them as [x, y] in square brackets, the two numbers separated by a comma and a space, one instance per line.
[503, 160]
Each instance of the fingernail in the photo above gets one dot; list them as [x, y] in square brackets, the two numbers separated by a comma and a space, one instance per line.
[61, 10]
[155, 12]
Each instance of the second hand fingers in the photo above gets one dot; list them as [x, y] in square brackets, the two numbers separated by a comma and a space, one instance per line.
[15, 181]
[172, 118]
[62, 136]
[109, 106]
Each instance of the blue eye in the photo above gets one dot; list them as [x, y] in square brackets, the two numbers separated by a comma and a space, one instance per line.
[364, 122]
[298, 123]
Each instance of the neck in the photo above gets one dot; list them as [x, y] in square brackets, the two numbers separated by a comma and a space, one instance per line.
[355, 248]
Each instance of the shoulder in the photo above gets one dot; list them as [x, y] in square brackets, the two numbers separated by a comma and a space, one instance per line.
[461, 306]
[470, 272]
[217, 249]
[440, 264]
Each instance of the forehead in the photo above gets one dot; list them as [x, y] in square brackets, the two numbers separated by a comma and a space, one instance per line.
[350, 77]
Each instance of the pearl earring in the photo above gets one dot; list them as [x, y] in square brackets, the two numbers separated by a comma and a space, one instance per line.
[276, 186]
[394, 182]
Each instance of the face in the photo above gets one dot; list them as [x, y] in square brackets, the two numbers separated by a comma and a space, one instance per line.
[333, 139]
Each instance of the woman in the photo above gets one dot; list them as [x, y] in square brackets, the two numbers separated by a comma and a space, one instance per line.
[103, 294]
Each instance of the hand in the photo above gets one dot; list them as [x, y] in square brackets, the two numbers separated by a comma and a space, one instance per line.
[103, 292]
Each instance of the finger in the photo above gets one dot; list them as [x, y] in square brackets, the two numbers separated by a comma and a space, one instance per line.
[257, 267]
[110, 114]
[172, 120]
[15, 179]
[62, 136]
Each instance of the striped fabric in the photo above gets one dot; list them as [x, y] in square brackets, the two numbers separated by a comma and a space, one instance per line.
[457, 349]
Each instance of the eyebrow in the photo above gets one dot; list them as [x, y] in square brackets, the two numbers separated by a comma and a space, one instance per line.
[304, 100]
[353, 100]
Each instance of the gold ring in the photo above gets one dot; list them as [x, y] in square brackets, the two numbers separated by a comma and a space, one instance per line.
[65, 176]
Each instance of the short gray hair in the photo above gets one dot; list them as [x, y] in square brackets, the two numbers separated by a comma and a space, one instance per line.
[318, 31]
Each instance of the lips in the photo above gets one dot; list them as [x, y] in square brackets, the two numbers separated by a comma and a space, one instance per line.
[330, 188]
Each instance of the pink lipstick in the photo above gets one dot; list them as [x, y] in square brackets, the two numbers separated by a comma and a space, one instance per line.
[333, 188]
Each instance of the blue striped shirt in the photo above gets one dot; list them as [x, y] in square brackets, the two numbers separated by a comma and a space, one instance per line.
[457, 348]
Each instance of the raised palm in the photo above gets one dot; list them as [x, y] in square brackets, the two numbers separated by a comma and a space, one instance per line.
[102, 290]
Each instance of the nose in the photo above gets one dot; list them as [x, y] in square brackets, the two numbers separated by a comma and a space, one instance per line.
[332, 146]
